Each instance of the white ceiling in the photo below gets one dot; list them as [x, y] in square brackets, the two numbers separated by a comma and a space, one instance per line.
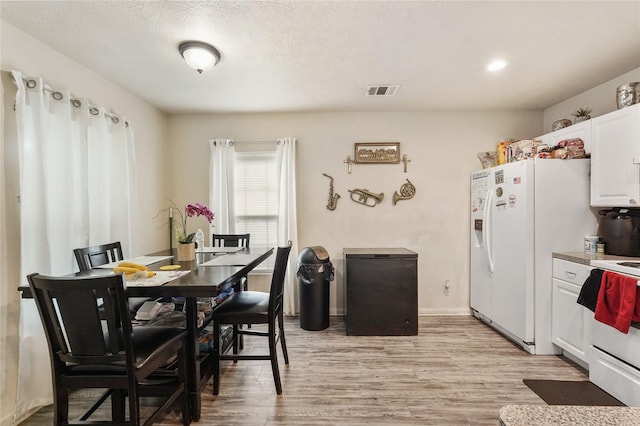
[321, 55]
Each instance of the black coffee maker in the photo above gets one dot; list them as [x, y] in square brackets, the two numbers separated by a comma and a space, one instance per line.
[619, 229]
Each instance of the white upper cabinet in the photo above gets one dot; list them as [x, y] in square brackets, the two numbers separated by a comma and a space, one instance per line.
[615, 158]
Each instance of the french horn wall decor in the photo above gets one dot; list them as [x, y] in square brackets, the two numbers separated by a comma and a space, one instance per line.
[333, 197]
[407, 191]
[366, 197]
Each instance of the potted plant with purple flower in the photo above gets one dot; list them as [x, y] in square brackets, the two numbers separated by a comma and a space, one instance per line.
[186, 248]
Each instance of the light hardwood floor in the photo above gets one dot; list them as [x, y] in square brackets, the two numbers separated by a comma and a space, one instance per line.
[457, 371]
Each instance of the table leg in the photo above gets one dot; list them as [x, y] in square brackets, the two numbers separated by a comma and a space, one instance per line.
[193, 365]
[238, 340]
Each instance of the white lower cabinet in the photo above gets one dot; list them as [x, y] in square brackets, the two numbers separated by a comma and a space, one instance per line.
[569, 320]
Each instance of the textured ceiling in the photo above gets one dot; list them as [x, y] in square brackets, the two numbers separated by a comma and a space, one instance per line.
[321, 55]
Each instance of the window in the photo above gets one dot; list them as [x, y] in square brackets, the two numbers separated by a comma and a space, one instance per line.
[256, 198]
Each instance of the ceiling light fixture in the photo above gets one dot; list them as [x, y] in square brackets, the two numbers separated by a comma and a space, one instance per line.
[198, 55]
[496, 65]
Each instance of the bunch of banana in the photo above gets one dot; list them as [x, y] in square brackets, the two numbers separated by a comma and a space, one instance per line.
[133, 270]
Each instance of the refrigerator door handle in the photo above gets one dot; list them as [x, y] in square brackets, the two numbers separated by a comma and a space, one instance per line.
[486, 232]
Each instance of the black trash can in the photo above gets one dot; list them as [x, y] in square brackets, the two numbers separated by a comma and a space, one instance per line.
[315, 271]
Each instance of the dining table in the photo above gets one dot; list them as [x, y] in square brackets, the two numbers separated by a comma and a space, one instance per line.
[211, 273]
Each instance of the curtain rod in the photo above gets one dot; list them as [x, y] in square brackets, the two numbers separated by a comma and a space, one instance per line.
[232, 142]
[58, 96]
[257, 142]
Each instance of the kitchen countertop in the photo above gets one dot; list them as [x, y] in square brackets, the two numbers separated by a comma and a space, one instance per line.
[525, 415]
[585, 259]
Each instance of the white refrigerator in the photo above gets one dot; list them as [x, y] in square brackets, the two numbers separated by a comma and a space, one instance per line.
[521, 213]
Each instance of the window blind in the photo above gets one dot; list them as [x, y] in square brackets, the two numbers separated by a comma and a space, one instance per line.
[256, 198]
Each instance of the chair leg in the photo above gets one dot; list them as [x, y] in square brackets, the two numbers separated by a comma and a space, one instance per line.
[61, 405]
[283, 342]
[216, 356]
[118, 405]
[237, 341]
[274, 357]
[134, 405]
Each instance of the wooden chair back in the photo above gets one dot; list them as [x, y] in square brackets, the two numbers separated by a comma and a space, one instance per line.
[90, 257]
[230, 240]
[276, 291]
[86, 319]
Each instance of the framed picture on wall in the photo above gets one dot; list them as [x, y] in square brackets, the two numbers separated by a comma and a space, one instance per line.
[377, 152]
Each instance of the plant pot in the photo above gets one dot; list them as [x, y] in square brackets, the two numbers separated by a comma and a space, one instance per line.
[582, 118]
[186, 252]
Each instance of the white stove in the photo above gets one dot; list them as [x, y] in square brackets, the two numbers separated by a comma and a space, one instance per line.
[628, 267]
[614, 359]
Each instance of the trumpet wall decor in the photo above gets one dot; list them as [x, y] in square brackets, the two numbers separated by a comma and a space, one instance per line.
[407, 191]
[366, 197]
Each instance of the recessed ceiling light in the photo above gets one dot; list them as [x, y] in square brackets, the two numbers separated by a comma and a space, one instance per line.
[496, 65]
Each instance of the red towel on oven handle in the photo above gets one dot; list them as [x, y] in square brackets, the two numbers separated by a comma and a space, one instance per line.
[618, 302]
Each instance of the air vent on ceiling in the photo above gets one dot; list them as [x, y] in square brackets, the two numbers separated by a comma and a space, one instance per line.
[382, 90]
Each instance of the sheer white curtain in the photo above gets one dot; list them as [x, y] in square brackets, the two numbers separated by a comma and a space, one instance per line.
[111, 176]
[8, 296]
[221, 186]
[287, 217]
[75, 191]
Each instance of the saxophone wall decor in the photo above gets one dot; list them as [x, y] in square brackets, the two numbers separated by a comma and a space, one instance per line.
[333, 197]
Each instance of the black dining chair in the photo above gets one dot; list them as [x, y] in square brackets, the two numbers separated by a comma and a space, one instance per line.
[233, 240]
[254, 307]
[90, 257]
[93, 345]
[230, 240]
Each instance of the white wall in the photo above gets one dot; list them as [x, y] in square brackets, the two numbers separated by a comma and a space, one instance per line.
[21, 52]
[442, 147]
[602, 99]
